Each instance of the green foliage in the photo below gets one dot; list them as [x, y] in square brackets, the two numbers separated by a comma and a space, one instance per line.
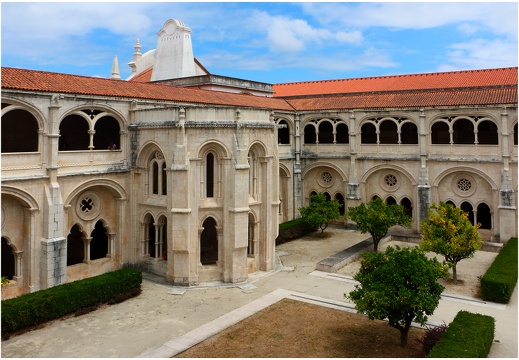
[500, 279]
[400, 285]
[320, 211]
[49, 304]
[449, 232]
[5, 280]
[468, 336]
[377, 217]
[293, 229]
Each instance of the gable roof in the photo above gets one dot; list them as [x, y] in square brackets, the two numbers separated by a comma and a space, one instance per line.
[32, 80]
[441, 80]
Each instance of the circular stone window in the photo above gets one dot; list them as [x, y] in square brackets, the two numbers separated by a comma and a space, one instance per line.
[325, 179]
[88, 206]
[389, 182]
[464, 185]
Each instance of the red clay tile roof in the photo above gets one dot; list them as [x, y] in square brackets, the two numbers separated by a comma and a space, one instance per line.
[144, 76]
[407, 99]
[31, 80]
[479, 87]
[443, 80]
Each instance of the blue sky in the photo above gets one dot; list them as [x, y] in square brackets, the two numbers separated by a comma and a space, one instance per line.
[273, 42]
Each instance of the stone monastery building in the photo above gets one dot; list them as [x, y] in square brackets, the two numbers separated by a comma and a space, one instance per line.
[187, 174]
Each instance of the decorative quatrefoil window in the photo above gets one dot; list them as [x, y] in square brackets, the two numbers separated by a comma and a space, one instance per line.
[326, 177]
[88, 206]
[464, 185]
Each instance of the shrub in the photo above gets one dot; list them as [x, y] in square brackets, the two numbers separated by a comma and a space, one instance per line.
[49, 304]
[500, 279]
[293, 229]
[468, 335]
[432, 336]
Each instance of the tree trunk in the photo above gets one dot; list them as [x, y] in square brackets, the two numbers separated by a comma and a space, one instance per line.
[454, 274]
[375, 244]
[404, 334]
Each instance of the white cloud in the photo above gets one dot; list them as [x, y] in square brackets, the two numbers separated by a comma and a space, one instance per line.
[480, 54]
[500, 18]
[293, 35]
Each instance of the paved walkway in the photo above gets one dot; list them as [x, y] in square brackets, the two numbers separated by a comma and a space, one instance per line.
[165, 320]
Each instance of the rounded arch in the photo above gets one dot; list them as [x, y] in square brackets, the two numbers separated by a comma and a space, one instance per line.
[113, 186]
[436, 182]
[20, 131]
[408, 132]
[107, 133]
[146, 153]
[9, 242]
[210, 214]
[309, 133]
[16, 104]
[284, 131]
[368, 133]
[215, 146]
[376, 168]
[98, 110]
[23, 196]
[440, 132]
[388, 131]
[326, 129]
[258, 148]
[487, 132]
[324, 164]
[463, 131]
[285, 169]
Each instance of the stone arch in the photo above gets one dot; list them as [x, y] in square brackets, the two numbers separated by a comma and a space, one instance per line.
[440, 132]
[20, 131]
[484, 215]
[368, 133]
[388, 131]
[284, 132]
[324, 164]
[107, 133]
[75, 245]
[146, 153]
[408, 132]
[400, 169]
[24, 197]
[436, 182]
[99, 245]
[8, 258]
[325, 132]
[487, 132]
[15, 104]
[213, 145]
[309, 134]
[112, 185]
[209, 248]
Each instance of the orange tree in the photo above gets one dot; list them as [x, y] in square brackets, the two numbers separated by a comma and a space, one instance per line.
[377, 217]
[320, 211]
[449, 232]
[400, 285]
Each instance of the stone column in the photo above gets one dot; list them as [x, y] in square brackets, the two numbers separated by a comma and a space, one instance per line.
[297, 185]
[506, 210]
[86, 242]
[424, 189]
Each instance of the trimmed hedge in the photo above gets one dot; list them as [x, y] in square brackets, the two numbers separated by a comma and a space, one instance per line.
[468, 335]
[500, 279]
[49, 304]
[293, 229]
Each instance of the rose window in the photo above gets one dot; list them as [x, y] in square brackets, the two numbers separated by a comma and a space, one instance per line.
[390, 180]
[326, 177]
[464, 184]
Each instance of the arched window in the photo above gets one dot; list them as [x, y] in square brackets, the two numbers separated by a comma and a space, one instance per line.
[209, 175]
[388, 132]
[151, 236]
[19, 132]
[73, 132]
[162, 245]
[8, 260]
[310, 137]
[375, 197]
[283, 133]
[312, 194]
[390, 200]
[340, 198]
[467, 207]
[440, 133]
[251, 235]
[327, 196]
[158, 174]
[368, 134]
[484, 217]
[209, 242]
[325, 132]
[487, 133]
[409, 133]
[342, 136]
[75, 246]
[155, 177]
[408, 207]
[450, 203]
[99, 242]
[253, 174]
[107, 134]
[515, 134]
[164, 179]
[463, 132]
